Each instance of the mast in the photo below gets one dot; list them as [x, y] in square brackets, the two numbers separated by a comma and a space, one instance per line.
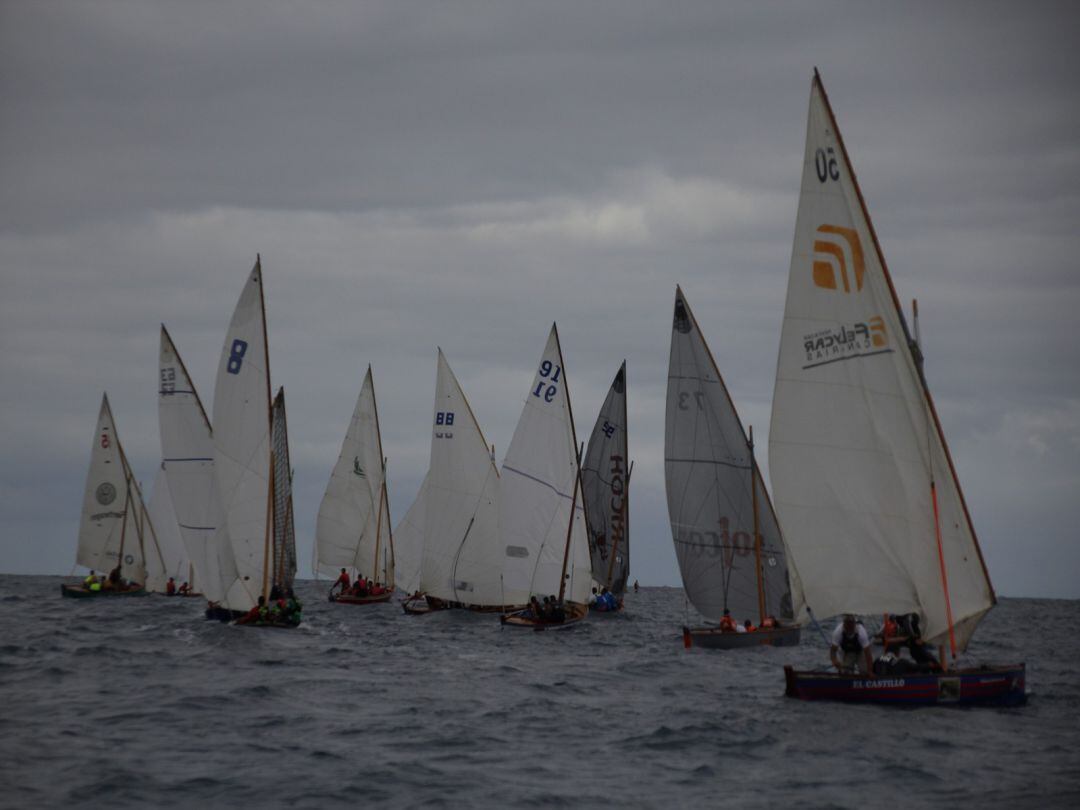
[917, 359]
[757, 530]
[570, 523]
[577, 464]
[270, 515]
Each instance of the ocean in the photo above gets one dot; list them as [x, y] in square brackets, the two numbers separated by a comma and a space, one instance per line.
[140, 702]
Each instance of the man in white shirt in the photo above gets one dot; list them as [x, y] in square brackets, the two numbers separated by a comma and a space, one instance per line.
[851, 639]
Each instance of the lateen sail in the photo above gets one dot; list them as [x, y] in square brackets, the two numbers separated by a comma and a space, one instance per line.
[283, 554]
[854, 443]
[173, 556]
[242, 442]
[710, 478]
[353, 526]
[114, 527]
[605, 480]
[462, 558]
[539, 479]
[187, 451]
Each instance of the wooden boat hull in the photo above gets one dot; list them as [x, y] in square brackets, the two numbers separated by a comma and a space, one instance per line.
[986, 685]
[428, 604]
[361, 600]
[216, 613]
[713, 638]
[574, 614]
[79, 592]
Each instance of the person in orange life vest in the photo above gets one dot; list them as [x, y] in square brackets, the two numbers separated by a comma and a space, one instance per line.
[343, 581]
[749, 627]
[889, 631]
[727, 624]
[768, 623]
[850, 638]
[170, 587]
[255, 614]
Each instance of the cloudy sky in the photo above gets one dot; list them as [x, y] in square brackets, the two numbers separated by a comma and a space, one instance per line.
[462, 174]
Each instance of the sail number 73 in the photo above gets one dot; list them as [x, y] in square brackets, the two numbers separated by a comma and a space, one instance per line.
[548, 387]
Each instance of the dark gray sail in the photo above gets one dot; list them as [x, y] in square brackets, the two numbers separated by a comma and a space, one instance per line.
[284, 551]
[605, 482]
[711, 477]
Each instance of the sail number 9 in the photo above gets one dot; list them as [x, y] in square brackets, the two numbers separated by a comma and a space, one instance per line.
[548, 389]
[825, 164]
[236, 356]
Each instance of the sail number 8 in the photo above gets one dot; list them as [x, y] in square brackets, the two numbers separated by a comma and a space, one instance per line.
[236, 356]
[825, 165]
[548, 389]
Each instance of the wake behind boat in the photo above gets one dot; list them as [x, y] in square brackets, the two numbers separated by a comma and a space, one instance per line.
[864, 482]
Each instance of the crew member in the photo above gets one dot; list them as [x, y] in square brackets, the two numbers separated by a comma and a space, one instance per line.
[851, 639]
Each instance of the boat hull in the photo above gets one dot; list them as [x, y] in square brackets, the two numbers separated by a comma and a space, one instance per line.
[574, 614]
[361, 600]
[713, 638]
[79, 592]
[422, 605]
[987, 686]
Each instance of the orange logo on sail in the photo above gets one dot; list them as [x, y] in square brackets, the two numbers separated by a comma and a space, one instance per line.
[877, 332]
[840, 251]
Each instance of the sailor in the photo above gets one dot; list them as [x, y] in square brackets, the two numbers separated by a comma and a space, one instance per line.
[185, 589]
[343, 581]
[257, 613]
[635, 586]
[748, 627]
[727, 623]
[592, 600]
[916, 646]
[850, 637]
[768, 623]
[170, 587]
[91, 580]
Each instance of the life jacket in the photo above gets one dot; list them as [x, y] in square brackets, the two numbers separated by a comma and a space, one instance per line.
[850, 643]
[727, 624]
[891, 629]
[768, 623]
[95, 585]
[750, 629]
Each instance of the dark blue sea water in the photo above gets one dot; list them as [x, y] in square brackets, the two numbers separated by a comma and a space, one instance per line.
[141, 703]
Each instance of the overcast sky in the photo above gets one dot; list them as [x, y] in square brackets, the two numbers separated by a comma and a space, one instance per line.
[462, 174]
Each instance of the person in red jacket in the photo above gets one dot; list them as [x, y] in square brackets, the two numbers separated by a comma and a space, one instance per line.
[343, 581]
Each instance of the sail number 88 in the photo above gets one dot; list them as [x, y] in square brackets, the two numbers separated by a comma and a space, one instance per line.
[825, 165]
[548, 389]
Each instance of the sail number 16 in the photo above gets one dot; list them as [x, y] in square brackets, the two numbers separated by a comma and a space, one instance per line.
[548, 389]
[825, 165]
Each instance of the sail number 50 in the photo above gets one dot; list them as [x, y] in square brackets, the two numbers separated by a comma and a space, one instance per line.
[548, 389]
[825, 164]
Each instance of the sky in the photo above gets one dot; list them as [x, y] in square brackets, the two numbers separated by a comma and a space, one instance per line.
[462, 174]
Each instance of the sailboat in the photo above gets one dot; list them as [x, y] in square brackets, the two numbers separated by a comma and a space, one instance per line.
[352, 530]
[116, 536]
[731, 554]
[865, 485]
[461, 565]
[541, 517]
[605, 487]
[251, 461]
[187, 453]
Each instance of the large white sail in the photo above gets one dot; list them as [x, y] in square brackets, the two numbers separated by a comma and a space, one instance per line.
[409, 543]
[353, 526]
[113, 514]
[187, 453]
[854, 442]
[711, 478]
[242, 442]
[605, 484]
[538, 487]
[283, 551]
[171, 559]
[462, 559]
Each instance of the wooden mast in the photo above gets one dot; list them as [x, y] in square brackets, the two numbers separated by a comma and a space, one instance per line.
[570, 523]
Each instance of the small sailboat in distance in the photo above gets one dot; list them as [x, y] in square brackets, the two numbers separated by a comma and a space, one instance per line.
[116, 535]
[605, 488]
[864, 483]
[731, 553]
[251, 466]
[352, 530]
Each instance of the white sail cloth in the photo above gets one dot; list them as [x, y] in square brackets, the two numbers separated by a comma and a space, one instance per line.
[462, 559]
[187, 452]
[353, 526]
[242, 441]
[173, 560]
[537, 492]
[854, 443]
